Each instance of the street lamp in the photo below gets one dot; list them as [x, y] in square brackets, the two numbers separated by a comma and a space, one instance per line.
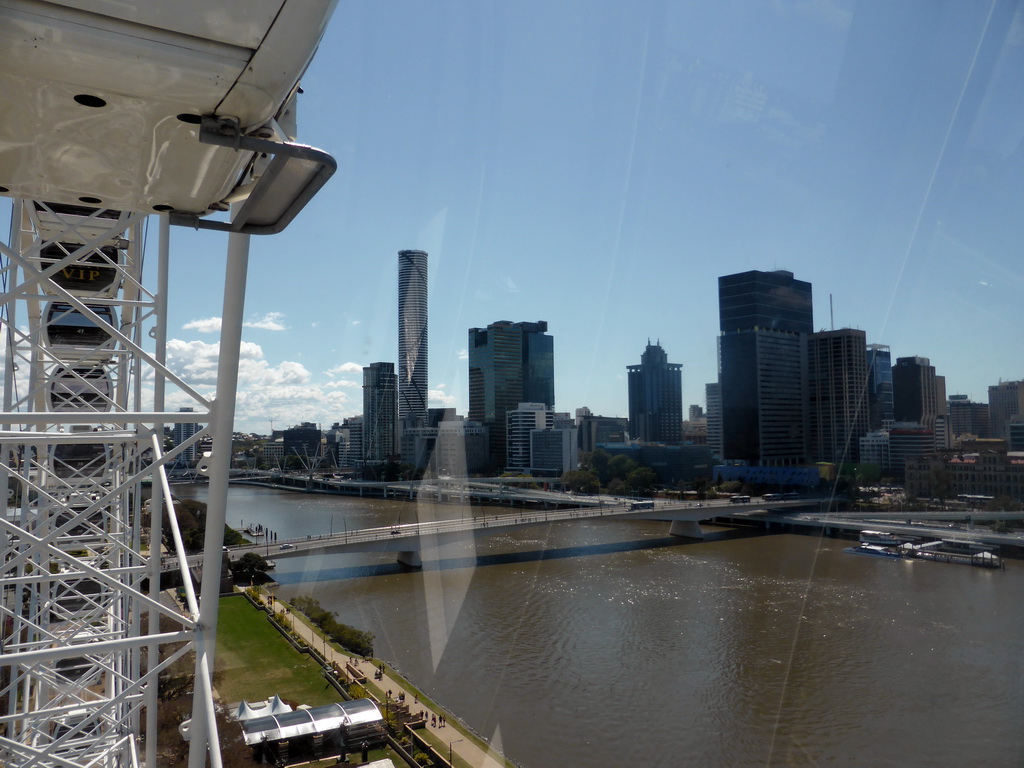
[450, 750]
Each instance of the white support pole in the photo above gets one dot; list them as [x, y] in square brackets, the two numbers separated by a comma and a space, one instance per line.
[156, 525]
[204, 727]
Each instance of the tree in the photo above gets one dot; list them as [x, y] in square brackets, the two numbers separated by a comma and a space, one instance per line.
[597, 462]
[940, 481]
[620, 466]
[581, 481]
[1003, 504]
[249, 566]
[641, 480]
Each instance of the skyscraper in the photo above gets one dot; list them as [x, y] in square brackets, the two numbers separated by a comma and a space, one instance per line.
[521, 421]
[764, 321]
[1005, 400]
[509, 363]
[181, 432]
[655, 397]
[713, 400]
[380, 409]
[880, 413]
[915, 389]
[412, 334]
[837, 391]
[967, 418]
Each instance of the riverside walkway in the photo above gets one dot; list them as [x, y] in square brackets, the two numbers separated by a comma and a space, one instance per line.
[465, 748]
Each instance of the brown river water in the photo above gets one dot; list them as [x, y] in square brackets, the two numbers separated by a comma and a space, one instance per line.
[608, 643]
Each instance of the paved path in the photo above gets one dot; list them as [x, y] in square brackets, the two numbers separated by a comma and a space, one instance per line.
[465, 752]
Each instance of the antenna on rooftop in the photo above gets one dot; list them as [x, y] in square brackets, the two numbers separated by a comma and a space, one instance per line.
[831, 314]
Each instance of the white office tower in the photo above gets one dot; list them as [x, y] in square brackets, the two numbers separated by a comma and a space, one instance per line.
[412, 334]
[165, 109]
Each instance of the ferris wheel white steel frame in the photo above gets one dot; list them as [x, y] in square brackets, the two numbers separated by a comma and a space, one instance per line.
[84, 345]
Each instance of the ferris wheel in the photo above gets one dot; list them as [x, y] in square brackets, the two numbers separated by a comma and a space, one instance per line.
[179, 113]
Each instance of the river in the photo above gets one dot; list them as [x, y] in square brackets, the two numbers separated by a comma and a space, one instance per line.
[607, 643]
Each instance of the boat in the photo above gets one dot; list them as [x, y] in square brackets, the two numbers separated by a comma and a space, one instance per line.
[880, 538]
[874, 550]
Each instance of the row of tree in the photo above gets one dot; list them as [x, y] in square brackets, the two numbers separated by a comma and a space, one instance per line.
[357, 641]
[617, 474]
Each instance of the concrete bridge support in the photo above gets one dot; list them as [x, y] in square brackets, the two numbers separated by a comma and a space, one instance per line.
[687, 529]
[410, 558]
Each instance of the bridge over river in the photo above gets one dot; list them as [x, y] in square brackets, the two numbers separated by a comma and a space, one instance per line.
[409, 540]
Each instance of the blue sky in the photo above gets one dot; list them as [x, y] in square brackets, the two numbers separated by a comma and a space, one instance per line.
[599, 164]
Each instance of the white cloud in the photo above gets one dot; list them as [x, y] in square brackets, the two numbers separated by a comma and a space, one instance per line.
[509, 284]
[463, 354]
[285, 392]
[205, 325]
[269, 322]
[344, 368]
[438, 398]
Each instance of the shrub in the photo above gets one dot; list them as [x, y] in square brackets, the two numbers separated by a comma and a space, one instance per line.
[351, 639]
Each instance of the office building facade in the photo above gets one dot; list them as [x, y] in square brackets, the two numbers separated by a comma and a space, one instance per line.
[349, 442]
[509, 363]
[1005, 400]
[181, 432]
[380, 412]
[765, 318]
[713, 401]
[655, 398]
[880, 409]
[967, 418]
[521, 421]
[918, 394]
[412, 334]
[593, 430]
[837, 394]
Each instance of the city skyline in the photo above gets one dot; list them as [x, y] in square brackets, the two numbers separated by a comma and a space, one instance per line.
[601, 169]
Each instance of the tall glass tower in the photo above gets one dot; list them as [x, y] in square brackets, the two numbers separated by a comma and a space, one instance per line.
[509, 363]
[765, 319]
[880, 405]
[412, 334]
[379, 395]
[655, 398]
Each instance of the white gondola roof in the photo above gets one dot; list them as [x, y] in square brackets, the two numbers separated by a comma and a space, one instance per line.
[101, 99]
[302, 722]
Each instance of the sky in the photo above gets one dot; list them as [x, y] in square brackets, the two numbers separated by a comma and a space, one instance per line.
[599, 164]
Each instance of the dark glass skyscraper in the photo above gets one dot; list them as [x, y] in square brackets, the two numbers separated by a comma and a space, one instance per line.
[880, 412]
[772, 301]
[509, 363]
[918, 394]
[655, 398]
[412, 334]
[764, 321]
[837, 391]
[380, 401]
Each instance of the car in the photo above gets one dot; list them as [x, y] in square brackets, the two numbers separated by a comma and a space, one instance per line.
[287, 546]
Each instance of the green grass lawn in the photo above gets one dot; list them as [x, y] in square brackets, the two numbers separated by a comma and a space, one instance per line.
[254, 662]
